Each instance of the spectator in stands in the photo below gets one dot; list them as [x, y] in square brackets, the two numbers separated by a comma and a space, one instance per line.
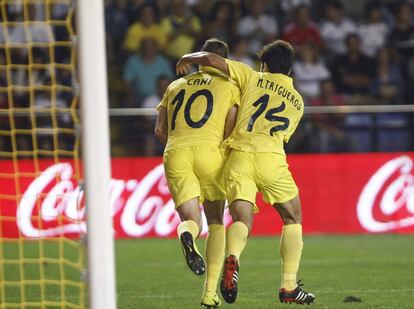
[182, 28]
[142, 71]
[373, 30]
[402, 39]
[302, 30]
[153, 100]
[336, 27]
[309, 71]
[162, 7]
[353, 72]
[221, 21]
[289, 5]
[402, 36]
[257, 27]
[133, 8]
[43, 99]
[152, 145]
[239, 48]
[145, 26]
[328, 135]
[388, 84]
[40, 31]
[116, 24]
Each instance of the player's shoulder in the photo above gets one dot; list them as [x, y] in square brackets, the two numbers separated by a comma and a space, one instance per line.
[181, 82]
[239, 65]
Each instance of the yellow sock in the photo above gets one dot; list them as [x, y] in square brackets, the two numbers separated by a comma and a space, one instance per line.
[214, 256]
[291, 245]
[188, 226]
[236, 239]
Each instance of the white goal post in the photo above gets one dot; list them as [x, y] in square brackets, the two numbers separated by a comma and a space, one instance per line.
[96, 154]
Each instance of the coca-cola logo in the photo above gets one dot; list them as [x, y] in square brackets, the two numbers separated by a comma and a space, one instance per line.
[387, 201]
[53, 205]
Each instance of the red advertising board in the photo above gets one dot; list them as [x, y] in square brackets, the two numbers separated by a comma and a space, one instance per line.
[348, 193]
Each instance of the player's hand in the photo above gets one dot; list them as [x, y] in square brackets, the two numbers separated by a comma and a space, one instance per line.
[182, 67]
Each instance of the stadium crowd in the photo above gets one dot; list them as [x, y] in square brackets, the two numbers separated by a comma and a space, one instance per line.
[347, 53]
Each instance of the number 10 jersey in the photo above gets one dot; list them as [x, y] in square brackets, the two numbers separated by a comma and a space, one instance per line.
[269, 112]
[197, 106]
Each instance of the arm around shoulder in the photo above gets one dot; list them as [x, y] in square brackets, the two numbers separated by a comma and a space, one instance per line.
[201, 58]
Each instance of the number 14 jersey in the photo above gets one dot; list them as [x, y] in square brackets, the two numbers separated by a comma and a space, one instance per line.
[269, 112]
[197, 106]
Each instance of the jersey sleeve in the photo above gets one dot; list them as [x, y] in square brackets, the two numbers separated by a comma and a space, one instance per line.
[239, 72]
[164, 100]
[236, 95]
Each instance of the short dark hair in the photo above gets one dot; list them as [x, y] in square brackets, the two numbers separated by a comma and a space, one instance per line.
[216, 46]
[278, 56]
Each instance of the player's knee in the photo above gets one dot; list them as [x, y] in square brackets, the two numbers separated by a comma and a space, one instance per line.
[291, 215]
[244, 218]
[290, 212]
[190, 211]
[242, 211]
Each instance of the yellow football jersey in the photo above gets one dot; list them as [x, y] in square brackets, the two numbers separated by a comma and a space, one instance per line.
[197, 106]
[269, 112]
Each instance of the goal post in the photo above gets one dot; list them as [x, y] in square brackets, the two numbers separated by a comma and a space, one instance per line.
[96, 154]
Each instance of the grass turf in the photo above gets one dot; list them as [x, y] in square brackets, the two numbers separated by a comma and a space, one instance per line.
[151, 273]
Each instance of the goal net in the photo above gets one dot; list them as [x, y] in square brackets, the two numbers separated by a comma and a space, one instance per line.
[41, 197]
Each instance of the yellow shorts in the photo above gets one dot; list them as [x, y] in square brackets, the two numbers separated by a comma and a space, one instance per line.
[247, 173]
[195, 171]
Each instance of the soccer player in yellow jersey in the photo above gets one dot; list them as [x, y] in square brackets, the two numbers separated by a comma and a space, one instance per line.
[196, 113]
[269, 112]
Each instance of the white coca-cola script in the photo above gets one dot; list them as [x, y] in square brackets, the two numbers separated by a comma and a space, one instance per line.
[397, 175]
[62, 209]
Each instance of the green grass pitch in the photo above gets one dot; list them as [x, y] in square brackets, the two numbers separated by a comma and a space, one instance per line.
[151, 273]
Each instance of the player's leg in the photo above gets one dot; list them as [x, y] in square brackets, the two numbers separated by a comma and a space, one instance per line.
[236, 239]
[208, 165]
[291, 246]
[214, 252]
[188, 231]
[279, 189]
[291, 243]
[185, 191]
[242, 214]
[241, 193]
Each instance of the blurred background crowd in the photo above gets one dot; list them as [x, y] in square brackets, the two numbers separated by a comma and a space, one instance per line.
[347, 53]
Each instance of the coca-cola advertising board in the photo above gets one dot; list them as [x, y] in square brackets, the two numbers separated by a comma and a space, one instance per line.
[347, 193]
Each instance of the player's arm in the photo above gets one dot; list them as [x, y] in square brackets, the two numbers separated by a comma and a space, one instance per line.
[230, 120]
[161, 126]
[202, 58]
